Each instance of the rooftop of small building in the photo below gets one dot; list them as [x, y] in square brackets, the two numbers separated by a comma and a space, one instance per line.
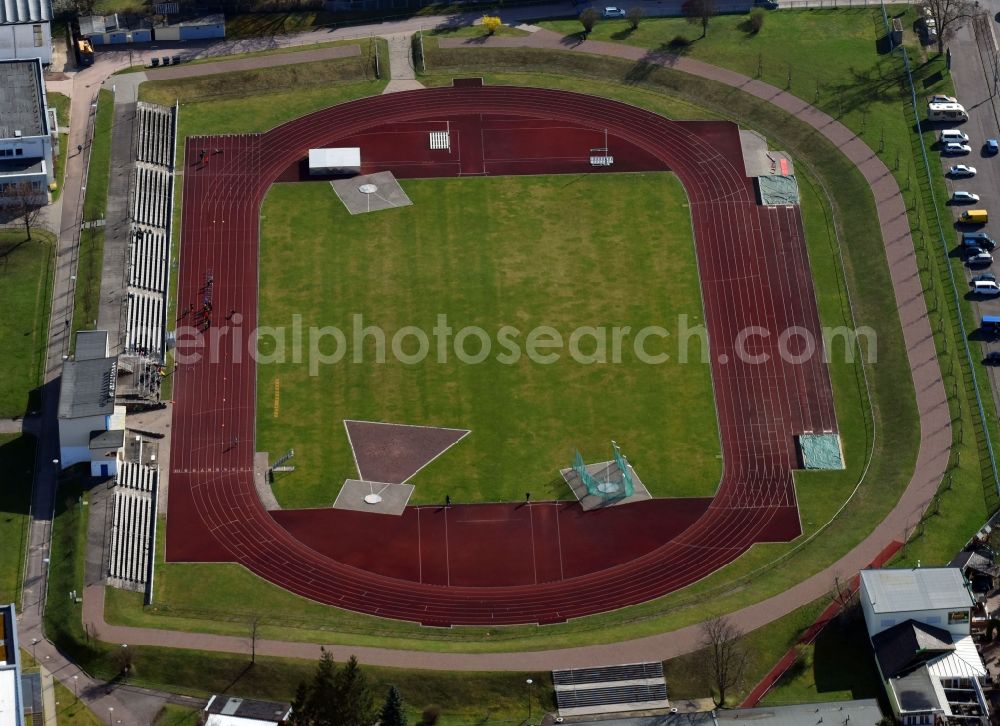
[21, 106]
[913, 589]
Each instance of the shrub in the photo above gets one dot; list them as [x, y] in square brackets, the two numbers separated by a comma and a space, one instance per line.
[430, 716]
[588, 19]
[757, 16]
[491, 23]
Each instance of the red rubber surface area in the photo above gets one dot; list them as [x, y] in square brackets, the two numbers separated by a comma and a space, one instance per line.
[754, 272]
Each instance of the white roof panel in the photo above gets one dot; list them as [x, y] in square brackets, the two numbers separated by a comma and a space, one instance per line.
[964, 662]
[8, 697]
[925, 588]
[334, 158]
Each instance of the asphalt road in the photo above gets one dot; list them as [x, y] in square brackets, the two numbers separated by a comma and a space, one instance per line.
[974, 53]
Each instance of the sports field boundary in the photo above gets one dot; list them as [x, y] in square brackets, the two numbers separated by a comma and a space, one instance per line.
[935, 439]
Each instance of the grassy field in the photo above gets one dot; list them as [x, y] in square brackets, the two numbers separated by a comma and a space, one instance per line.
[25, 297]
[294, 78]
[91, 253]
[515, 251]
[184, 601]
[61, 103]
[17, 461]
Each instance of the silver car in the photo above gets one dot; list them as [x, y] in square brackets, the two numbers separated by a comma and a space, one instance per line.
[958, 197]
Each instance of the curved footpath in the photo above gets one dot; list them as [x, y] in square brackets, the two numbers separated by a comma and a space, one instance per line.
[935, 430]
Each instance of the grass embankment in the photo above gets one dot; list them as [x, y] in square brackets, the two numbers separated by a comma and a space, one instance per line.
[583, 254]
[91, 254]
[26, 267]
[17, 461]
[293, 79]
[70, 710]
[61, 103]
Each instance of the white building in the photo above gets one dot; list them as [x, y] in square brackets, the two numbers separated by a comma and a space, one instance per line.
[25, 30]
[335, 161]
[25, 128]
[91, 426]
[233, 711]
[918, 621]
[11, 701]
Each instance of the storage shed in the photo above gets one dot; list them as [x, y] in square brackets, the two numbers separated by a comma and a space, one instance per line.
[335, 161]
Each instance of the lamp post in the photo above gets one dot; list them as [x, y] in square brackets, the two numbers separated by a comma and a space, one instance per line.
[111, 715]
[529, 682]
[76, 689]
[34, 642]
[125, 660]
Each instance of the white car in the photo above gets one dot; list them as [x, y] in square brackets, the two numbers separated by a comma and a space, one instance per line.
[962, 170]
[958, 197]
[985, 287]
[942, 99]
[954, 149]
[613, 12]
[982, 258]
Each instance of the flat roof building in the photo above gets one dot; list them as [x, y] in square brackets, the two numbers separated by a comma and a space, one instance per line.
[11, 701]
[25, 128]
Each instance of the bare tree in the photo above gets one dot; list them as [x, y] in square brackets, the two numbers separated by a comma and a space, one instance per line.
[725, 656]
[588, 19]
[700, 11]
[25, 201]
[948, 16]
[254, 627]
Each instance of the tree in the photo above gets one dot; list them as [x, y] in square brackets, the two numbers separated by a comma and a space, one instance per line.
[392, 710]
[254, 627]
[588, 19]
[357, 699]
[25, 201]
[316, 703]
[948, 16]
[635, 15]
[492, 24]
[725, 657]
[757, 17]
[700, 11]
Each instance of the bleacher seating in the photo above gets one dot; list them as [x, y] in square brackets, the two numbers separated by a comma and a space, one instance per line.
[132, 526]
[151, 196]
[149, 245]
[144, 323]
[609, 689]
[154, 134]
[148, 260]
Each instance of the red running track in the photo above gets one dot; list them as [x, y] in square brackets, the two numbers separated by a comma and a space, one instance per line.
[754, 272]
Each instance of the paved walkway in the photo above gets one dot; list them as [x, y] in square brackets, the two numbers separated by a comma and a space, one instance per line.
[404, 76]
[935, 438]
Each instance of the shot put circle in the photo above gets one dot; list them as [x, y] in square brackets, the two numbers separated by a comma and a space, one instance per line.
[367, 188]
[372, 499]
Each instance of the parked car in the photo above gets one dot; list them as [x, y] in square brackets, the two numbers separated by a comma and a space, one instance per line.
[959, 197]
[991, 147]
[942, 99]
[957, 136]
[979, 239]
[992, 358]
[962, 170]
[979, 258]
[954, 149]
[613, 12]
[984, 277]
[986, 288]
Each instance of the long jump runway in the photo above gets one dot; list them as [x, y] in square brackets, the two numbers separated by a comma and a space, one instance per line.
[434, 566]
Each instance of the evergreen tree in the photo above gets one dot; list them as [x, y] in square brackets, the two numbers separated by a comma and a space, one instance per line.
[392, 710]
[356, 705]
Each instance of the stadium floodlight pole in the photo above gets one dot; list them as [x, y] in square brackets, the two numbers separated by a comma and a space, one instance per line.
[529, 682]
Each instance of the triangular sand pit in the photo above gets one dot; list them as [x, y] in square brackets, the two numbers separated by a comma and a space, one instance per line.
[393, 453]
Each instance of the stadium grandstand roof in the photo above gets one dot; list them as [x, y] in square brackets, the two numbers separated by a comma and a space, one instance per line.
[14, 12]
[88, 388]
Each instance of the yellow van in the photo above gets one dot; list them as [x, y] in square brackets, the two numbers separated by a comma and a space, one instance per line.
[975, 216]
